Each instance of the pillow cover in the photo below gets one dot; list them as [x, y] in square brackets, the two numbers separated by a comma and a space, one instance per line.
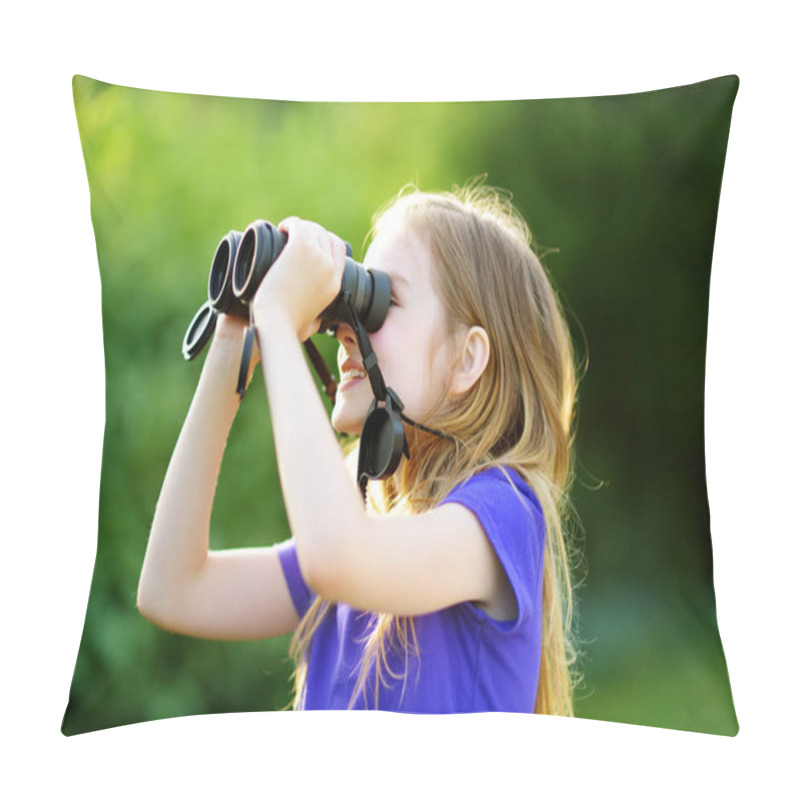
[621, 193]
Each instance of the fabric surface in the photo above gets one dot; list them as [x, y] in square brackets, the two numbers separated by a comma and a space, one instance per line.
[621, 193]
[466, 660]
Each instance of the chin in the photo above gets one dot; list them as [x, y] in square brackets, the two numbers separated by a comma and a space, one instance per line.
[345, 421]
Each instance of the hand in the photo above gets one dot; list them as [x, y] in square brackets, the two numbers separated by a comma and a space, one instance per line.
[304, 279]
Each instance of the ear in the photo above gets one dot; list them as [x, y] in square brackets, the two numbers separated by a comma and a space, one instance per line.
[471, 360]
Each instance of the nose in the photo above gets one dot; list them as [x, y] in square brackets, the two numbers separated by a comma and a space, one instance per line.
[346, 335]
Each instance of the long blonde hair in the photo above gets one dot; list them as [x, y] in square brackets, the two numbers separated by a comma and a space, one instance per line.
[519, 414]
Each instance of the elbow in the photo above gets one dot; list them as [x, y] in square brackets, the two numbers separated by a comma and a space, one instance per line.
[146, 607]
[322, 574]
[325, 569]
[148, 612]
[329, 553]
[153, 607]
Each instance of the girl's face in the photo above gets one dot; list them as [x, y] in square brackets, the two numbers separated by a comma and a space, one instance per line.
[411, 343]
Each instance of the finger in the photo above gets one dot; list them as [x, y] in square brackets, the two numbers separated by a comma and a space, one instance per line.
[288, 223]
[305, 234]
[337, 247]
[338, 251]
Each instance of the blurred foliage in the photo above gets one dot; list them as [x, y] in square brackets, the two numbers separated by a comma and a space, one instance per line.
[622, 195]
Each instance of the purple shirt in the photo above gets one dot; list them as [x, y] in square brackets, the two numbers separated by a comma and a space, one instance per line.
[467, 660]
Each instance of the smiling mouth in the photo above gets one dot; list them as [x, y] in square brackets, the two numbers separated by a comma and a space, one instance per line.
[350, 377]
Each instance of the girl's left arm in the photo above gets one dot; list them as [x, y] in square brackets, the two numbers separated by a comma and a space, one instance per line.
[403, 564]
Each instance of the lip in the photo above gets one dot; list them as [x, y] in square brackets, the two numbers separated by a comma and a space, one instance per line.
[345, 368]
[343, 387]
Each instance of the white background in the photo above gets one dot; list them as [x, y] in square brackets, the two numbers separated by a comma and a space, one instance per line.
[53, 393]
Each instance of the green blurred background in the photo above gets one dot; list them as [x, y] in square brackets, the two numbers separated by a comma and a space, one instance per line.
[620, 192]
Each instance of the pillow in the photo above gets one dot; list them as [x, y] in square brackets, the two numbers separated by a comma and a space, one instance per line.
[621, 193]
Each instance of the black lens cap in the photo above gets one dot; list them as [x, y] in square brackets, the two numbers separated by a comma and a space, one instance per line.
[199, 331]
[382, 444]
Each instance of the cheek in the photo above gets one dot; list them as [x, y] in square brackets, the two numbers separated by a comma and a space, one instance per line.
[383, 341]
[413, 361]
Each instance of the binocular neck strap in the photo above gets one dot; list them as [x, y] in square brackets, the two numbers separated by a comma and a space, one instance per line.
[382, 393]
[379, 388]
[244, 364]
[368, 357]
[328, 381]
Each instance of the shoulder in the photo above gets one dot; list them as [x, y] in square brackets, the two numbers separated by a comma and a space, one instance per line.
[501, 487]
[512, 519]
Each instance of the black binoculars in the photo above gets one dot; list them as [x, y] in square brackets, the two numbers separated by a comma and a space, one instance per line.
[240, 263]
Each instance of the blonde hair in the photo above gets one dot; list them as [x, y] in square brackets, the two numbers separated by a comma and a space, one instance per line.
[519, 414]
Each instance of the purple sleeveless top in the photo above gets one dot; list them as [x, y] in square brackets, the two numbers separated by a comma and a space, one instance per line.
[467, 661]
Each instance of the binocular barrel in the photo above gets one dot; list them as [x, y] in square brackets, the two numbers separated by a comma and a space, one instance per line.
[260, 246]
[240, 263]
[220, 286]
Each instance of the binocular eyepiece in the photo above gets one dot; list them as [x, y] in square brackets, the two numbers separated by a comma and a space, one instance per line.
[240, 263]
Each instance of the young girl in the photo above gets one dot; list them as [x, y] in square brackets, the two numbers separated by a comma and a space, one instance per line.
[450, 591]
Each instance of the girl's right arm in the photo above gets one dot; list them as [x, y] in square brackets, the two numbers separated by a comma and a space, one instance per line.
[184, 587]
